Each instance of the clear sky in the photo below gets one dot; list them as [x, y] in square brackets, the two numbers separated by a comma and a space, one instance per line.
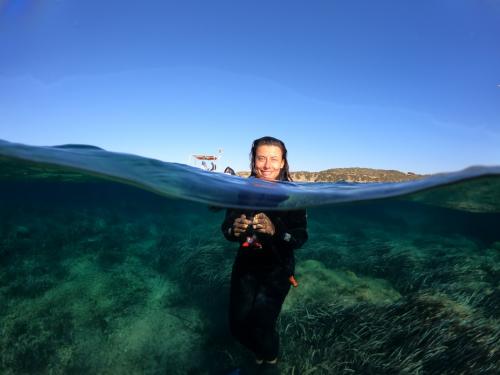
[407, 85]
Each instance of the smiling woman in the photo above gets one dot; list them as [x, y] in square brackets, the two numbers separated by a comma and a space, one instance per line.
[264, 266]
[268, 160]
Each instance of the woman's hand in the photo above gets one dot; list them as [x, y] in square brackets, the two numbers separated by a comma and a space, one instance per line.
[240, 225]
[262, 224]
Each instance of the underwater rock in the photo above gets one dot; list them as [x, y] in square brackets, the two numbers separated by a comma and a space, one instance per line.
[318, 283]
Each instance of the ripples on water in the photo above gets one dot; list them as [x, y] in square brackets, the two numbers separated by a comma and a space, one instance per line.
[112, 263]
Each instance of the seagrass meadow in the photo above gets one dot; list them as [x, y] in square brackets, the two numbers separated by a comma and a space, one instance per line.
[100, 277]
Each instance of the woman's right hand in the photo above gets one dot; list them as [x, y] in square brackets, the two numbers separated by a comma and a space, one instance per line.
[240, 225]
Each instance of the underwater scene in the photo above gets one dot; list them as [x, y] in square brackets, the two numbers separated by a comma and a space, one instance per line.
[116, 264]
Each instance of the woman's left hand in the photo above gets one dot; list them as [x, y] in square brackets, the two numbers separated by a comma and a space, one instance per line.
[262, 224]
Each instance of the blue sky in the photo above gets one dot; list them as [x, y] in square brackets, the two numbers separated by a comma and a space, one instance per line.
[395, 84]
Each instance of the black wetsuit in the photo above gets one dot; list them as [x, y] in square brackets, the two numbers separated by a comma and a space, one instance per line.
[260, 279]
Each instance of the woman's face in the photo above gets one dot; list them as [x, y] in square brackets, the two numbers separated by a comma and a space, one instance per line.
[268, 162]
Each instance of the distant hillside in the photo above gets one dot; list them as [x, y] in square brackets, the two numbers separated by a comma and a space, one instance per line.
[350, 175]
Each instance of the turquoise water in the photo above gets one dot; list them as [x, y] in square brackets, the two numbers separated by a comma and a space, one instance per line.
[115, 264]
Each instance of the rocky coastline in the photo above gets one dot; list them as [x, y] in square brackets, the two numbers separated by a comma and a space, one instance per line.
[350, 175]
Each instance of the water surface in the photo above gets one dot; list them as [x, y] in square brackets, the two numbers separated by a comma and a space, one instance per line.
[112, 263]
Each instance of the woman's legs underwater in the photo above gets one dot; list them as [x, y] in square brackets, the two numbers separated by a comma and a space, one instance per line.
[255, 303]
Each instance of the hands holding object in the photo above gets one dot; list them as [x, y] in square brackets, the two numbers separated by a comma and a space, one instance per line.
[260, 223]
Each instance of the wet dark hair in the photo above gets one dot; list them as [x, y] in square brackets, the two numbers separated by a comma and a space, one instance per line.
[230, 171]
[270, 141]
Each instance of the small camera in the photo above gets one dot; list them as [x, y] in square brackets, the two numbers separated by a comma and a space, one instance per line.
[250, 231]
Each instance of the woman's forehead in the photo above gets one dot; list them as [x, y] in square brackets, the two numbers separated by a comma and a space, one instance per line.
[268, 150]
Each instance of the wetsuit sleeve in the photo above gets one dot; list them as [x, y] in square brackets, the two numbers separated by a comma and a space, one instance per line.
[291, 231]
[227, 225]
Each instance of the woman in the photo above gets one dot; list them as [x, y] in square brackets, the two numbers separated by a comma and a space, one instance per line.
[264, 265]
